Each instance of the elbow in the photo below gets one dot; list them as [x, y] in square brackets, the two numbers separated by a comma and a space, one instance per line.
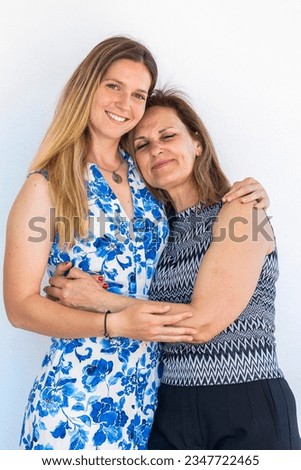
[205, 333]
[210, 322]
[14, 319]
[14, 313]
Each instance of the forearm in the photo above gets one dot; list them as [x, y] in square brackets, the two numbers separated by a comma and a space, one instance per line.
[207, 320]
[104, 300]
[84, 293]
[145, 321]
[198, 320]
[40, 315]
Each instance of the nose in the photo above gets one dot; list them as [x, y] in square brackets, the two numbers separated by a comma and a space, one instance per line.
[156, 149]
[124, 101]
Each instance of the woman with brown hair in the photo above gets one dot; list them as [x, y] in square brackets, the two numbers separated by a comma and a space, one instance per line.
[225, 389]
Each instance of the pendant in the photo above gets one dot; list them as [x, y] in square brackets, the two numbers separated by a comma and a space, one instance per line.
[117, 178]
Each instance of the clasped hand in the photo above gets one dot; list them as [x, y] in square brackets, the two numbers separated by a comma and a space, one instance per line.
[137, 319]
[77, 289]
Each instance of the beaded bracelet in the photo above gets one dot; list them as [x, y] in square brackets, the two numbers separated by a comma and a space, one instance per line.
[105, 331]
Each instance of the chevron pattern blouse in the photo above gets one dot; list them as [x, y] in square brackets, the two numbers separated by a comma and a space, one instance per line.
[246, 350]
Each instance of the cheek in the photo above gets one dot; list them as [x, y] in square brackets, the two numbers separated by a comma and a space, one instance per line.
[93, 110]
[143, 167]
[140, 164]
[139, 111]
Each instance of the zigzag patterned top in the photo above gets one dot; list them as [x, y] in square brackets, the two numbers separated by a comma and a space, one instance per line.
[246, 350]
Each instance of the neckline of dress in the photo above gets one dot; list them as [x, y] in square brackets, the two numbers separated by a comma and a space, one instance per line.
[130, 163]
[199, 207]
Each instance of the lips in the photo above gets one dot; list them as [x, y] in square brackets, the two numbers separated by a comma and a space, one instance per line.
[161, 164]
[116, 118]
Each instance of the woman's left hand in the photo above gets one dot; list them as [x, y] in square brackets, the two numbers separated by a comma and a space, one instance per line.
[77, 290]
[248, 190]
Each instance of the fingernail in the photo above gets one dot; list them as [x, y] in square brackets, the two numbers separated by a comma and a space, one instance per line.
[105, 285]
[100, 278]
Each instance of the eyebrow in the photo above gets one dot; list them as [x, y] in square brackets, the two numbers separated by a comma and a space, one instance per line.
[122, 83]
[160, 132]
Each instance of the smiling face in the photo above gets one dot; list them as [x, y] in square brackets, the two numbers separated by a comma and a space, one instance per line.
[166, 152]
[119, 101]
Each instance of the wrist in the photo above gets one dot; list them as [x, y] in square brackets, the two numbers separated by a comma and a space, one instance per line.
[114, 325]
[100, 303]
[104, 300]
[105, 324]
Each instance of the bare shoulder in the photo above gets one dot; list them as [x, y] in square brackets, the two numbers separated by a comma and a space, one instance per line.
[36, 182]
[244, 213]
[236, 207]
[34, 193]
[32, 205]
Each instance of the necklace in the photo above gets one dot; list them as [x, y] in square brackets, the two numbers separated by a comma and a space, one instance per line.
[115, 176]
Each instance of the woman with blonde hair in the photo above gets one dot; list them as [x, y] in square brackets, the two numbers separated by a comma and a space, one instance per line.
[85, 190]
[85, 203]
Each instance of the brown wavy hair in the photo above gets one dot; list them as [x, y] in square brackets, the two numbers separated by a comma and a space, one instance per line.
[64, 149]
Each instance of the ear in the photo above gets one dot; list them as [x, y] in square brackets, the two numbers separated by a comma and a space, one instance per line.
[198, 151]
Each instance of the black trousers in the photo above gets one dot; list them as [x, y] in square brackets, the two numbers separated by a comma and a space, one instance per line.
[251, 415]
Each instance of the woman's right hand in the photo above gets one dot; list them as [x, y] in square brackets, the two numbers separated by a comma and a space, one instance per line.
[150, 321]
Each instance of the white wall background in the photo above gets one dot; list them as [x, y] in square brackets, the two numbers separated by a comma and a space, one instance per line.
[239, 60]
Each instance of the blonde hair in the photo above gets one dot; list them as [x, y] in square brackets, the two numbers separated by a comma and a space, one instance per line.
[210, 180]
[63, 151]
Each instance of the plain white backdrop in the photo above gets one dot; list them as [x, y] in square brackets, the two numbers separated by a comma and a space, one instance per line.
[238, 60]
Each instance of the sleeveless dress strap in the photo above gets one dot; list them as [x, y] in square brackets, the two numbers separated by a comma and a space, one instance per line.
[41, 172]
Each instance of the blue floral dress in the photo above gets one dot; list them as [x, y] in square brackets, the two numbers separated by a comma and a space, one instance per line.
[99, 393]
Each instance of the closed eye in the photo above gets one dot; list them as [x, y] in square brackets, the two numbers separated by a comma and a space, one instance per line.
[141, 146]
[168, 136]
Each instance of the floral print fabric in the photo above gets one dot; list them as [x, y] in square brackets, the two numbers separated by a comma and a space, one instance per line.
[100, 393]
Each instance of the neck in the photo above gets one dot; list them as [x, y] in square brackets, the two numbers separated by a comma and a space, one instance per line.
[104, 152]
[108, 157]
[183, 201]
